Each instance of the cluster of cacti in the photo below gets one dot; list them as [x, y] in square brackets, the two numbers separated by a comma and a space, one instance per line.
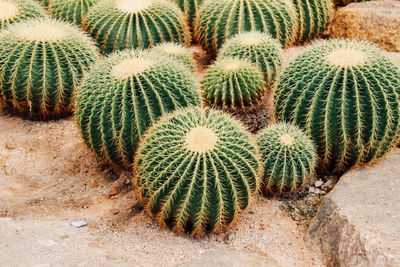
[190, 7]
[12, 11]
[122, 95]
[345, 2]
[314, 17]
[178, 52]
[41, 64]
[197, 170]
[219, 20]
[345, 94]
[73, 11]
[233, 83]
[120, 24]
[288, 157]
[258, 47]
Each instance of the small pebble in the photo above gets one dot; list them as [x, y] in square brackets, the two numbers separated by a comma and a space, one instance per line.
[318, 183]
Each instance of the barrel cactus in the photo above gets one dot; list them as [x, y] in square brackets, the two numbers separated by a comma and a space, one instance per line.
[124, 94]
[120, 24]
[314, 17]
[219, 20]
[44, 2]
[190, 7]
[178, 52]
[288, 158]
[233, 83]
[41, 64]
[258, 47]
[73, 11]
[12, 11]
[197, 170]
[345, 94]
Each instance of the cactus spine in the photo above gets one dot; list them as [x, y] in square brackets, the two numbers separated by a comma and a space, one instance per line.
[190, 8]
[41, 64]
[345, 94]
[219, 20]
[288, 157]
[178, 52]
[73, 11]
[233, 83]
[120, 24]
[124, 94]
[12, 11]
[258, 47]
[197, 170]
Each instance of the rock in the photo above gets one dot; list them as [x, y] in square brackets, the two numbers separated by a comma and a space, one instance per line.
[318, 183]
[358, 222]
[375, 21]
[222, 257]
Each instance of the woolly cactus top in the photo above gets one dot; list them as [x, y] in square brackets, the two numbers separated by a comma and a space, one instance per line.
[16, 10]
[8, 10]
[177, 51]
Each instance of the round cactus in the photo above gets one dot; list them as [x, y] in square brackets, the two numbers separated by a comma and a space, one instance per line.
[288, 158]
[190, 7]
[41, 64]
[44, 2]
[12, 11]
[122, 95]
[197, 170]
[178, 52]
[73, 11]
[233, 83]
[345, 94]
[219, 20]
[258, 47]
[120, 24]
[314, 17]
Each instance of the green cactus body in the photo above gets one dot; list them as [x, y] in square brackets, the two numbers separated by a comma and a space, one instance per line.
[44, 2]
[73, 11]
[233, 83]
[178, 52]
[41, 64]
[12, 11]
[314, 17]
[288, 158]
[190, 8]
[258, 47]
[345, 94]
[197, 170]
[122, 95]
[120, 24]
[219, 20]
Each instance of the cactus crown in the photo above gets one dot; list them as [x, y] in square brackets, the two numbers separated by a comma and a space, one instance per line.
[345, 95]
[288, 157]
[197, 170]
[73, 11]
[233, 83]
[177, 51]
[12, 11]
[122, 95]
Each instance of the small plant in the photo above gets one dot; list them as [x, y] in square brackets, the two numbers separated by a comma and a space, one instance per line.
[345, 94]
[120, 24]
[220, 20]
[178, 52]
[122, 95]
[41, 64]
[233, 83]
[12, 11]
[190, 7]
[258, 47]
[73, 11]
[197, 170]
[288, 158]
[314, 17]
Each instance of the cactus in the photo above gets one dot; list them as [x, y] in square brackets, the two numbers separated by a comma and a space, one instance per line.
[233, 83]
[44, 2]
[124, 94]
[12, 11]
[345, 94]
[190, 8]
[288, 158]
[197, 170]
[314, 17]
[73, 11]
[219, 20]
[178, 52]
[120, 24]
[41, 64]
[258, 47]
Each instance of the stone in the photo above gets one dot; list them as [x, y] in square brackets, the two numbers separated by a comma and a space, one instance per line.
[375, 21]
[318, 183]
[223, 257]
[358, 224]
